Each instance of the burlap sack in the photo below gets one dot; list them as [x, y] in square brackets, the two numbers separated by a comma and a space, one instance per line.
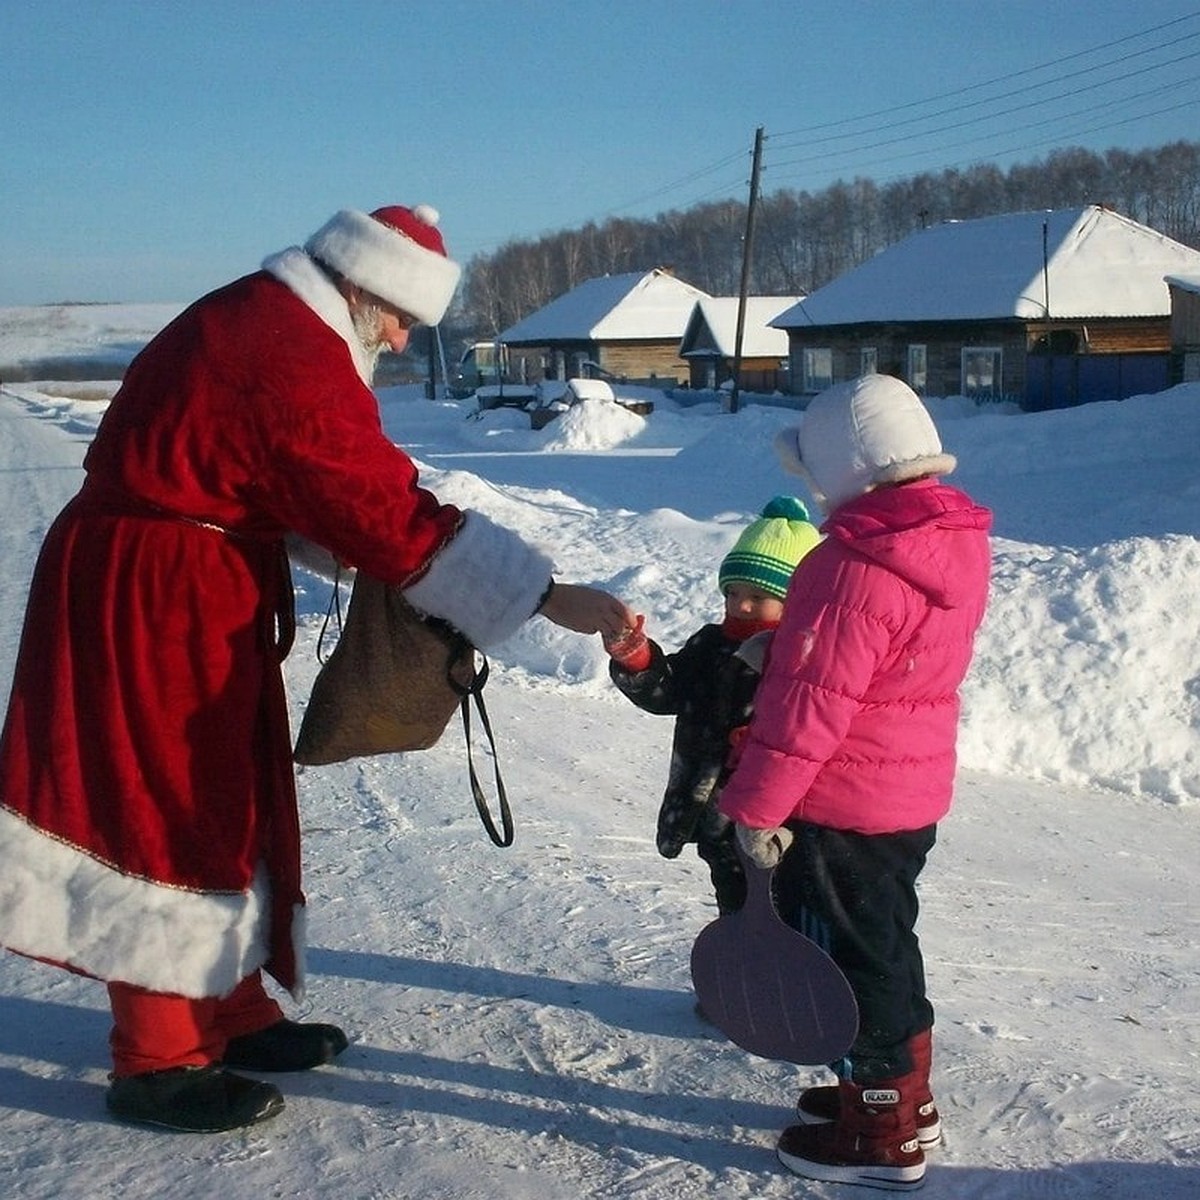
[392, 683]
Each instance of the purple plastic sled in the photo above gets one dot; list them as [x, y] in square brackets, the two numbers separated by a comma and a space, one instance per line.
[770, 989]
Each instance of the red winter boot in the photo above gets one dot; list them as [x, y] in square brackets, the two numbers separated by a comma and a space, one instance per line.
[872, 1143]
[929, 1120]
[820, 1104]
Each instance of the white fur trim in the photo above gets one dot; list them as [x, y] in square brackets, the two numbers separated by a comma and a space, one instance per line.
[915, 468]
[383, 260]
[787, 449]
[309, 283]
[486, 581]
[299, 949]
[58, 903]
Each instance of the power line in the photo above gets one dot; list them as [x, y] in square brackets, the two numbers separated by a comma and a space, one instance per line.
[1057, 140]
[730, 186]
[996, 113]
[883, 144]
[689, 178]
[780, 142]
[1054, 64]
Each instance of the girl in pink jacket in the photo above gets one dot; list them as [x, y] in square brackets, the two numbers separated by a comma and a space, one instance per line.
[850, 759]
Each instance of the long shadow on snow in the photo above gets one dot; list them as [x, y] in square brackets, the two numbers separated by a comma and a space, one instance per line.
[578, 1111]
[659, 1011]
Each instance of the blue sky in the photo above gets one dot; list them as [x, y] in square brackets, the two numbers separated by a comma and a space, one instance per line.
[150, 151]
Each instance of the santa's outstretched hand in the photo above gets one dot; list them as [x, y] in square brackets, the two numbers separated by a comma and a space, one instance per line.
[585, 609]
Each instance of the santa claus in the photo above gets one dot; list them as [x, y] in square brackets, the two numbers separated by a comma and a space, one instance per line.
[148, 825]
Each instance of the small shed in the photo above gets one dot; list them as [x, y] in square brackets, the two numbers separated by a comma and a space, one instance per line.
[1043, 308]
[576, 391]
[1185, 327]
[622, 327]
[710, 343]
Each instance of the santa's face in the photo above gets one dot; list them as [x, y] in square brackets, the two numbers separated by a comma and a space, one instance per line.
[379, 326]
[393, 328]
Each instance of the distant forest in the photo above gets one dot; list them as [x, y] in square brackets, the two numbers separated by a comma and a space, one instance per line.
[804, 239]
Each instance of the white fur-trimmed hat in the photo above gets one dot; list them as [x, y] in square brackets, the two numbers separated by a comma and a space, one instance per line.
[395, 252]
[856, 435]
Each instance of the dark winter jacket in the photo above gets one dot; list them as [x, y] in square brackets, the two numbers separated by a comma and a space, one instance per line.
[710, 692]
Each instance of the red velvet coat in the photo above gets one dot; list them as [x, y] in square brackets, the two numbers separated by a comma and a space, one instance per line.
[148, 824]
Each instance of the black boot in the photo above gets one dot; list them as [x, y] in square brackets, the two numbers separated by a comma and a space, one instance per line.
[286, 1046]
[193, 1099]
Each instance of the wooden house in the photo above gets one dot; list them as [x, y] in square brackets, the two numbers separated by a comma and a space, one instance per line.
[1043, 308]
[1185, 327]
[624, 327]
[709, 343]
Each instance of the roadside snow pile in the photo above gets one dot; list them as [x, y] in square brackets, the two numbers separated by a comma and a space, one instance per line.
[594, 425]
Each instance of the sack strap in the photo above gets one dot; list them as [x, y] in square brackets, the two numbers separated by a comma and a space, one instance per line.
[504, 838]
[333, 611]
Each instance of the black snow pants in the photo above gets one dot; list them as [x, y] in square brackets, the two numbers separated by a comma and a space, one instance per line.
[855, 895]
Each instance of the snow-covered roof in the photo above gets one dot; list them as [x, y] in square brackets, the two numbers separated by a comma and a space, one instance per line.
[712, 327]
[590, 389]
[1098, 264]
[642, 305]
[1185, 283]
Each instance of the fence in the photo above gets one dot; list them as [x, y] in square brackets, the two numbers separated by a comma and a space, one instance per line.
[1064, 380]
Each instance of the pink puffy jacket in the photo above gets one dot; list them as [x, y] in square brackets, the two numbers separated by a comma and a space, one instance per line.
[857, 713]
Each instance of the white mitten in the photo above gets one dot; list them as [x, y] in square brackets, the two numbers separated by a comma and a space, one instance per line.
[764, 847]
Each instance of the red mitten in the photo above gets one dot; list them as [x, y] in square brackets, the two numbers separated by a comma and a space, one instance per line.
[737, 736]
[630, 649]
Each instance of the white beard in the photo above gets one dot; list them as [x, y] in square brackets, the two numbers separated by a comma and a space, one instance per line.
[368, 321]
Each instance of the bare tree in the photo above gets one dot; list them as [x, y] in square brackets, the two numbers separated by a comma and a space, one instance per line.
[806, 238]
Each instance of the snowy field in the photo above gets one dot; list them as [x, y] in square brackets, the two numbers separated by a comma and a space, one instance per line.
[521, 1019]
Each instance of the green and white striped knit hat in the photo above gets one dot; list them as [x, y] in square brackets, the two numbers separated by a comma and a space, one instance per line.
[768, 550]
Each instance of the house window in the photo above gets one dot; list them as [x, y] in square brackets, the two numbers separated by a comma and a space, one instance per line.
[918, 369]
[868, 360]
[981, 366]
[818, 370]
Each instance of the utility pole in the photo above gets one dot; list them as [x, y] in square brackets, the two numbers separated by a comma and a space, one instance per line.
[747, 252]
[431, 382]
[1049, 362]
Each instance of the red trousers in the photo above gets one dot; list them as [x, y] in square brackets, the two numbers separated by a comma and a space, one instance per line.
[154, 1031]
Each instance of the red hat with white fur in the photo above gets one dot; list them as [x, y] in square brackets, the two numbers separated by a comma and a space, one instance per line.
[395, 252]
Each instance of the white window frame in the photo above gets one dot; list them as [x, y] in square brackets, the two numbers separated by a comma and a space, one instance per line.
[816, 368]
[970, 386]
[917, 367]
[868, 360]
